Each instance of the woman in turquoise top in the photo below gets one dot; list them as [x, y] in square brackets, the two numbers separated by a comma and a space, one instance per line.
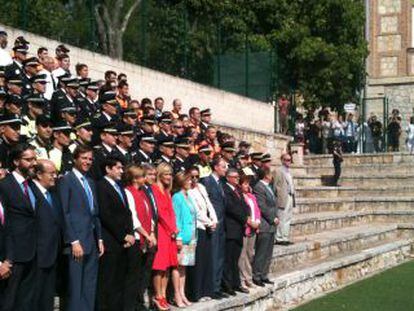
[186, 217]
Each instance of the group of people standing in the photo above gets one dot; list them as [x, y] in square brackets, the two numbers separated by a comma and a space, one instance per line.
[106, 200]
[139, 227]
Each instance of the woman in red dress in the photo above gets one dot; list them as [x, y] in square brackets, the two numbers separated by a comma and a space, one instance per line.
[166, 255]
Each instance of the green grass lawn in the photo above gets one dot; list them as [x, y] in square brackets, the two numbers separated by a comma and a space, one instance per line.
[392, 290]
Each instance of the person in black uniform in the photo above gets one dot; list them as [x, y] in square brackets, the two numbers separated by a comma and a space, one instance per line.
[146, 149]
[20, 54]
[256, 158]
[166, 149]
[65, 96]
[181, 162]
[107, 147]
[205, 119]
[107, 115]
[125, 138]
[228, 153]
[38, 83]
[14, 82]
[13, 104]
[83, 128]
[89, 106]
[10, 137]
[164, 123]
[29, 71]
[130, 117]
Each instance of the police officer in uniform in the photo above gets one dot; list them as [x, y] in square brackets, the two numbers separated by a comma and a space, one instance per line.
[204, 158]
[42, 141]
[107, 147]
[10, 137]
[65, 96]
[228, 153]
[164, 123]
[256, 158]
[166, 150]
[182, 150]
[145, 150]
[124, 145]
[30, 66]
[205, 119]
[89, 106]
[35, 105]
[107, 115]
[83, 128]
[60, 154]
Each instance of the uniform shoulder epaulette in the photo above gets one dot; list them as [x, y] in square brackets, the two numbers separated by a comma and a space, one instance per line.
[97, 147]
[97, 115]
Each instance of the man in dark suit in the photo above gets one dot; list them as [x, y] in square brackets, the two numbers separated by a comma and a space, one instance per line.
[49, 233]
[5, 266]
[19, 203]
[266, 200]
[236, 217]
[216, 194]
[82, 231]
[118, 234]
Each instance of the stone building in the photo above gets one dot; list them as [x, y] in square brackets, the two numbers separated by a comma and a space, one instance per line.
[390, 64]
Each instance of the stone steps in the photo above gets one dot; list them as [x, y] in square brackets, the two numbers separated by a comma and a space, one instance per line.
[356, 159]
[368, 169]
[311, 223]
[356, 203]
[346, 191]
[302, 284]
[360, 181]
[323, 245]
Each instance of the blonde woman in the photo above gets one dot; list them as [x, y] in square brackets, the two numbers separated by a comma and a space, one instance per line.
[166, 255]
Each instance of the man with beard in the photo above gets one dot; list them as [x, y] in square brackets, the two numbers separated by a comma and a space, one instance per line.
[20, 205]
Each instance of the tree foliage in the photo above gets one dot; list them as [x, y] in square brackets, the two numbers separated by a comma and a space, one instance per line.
[319, 44]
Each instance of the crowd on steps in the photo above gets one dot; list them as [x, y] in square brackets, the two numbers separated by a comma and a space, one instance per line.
[106, 200]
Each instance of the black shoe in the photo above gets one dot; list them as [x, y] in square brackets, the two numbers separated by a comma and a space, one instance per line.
[258, 283]
[267, 281]
[230, 291]
[224, 294]
[217, 296]
[242, 290]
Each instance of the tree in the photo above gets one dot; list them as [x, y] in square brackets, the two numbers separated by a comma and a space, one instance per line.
[112, 18]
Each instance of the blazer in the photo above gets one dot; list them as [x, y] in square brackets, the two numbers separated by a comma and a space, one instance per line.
[2, 237]
[216, 196]
[282, 188]
[21, 229]
[268, 207]
[185, 217]
[81, 223]
[237, 212]
[49, 228]
[115, 216]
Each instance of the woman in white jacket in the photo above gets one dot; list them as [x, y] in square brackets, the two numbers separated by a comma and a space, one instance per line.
[410, 136]
[200, 277]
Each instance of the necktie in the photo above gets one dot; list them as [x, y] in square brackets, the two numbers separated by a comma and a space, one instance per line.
[28, 193]
[49, 198]
[88, 192]
[118, 189]
[1, 214]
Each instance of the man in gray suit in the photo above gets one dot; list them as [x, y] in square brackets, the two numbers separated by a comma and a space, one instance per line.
[266, 200]
[285, 190]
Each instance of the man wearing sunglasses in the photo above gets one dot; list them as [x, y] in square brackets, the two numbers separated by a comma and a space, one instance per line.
[285, 190]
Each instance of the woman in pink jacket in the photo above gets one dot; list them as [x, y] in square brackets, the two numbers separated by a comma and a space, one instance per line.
[249, 240]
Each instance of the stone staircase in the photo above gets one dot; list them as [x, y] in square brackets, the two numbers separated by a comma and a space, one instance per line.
[341, 234]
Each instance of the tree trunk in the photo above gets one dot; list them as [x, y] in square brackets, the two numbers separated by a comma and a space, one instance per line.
[112, 26]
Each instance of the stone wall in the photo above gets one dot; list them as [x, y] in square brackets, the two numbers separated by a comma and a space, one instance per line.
[228, 109]
[389, 38]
